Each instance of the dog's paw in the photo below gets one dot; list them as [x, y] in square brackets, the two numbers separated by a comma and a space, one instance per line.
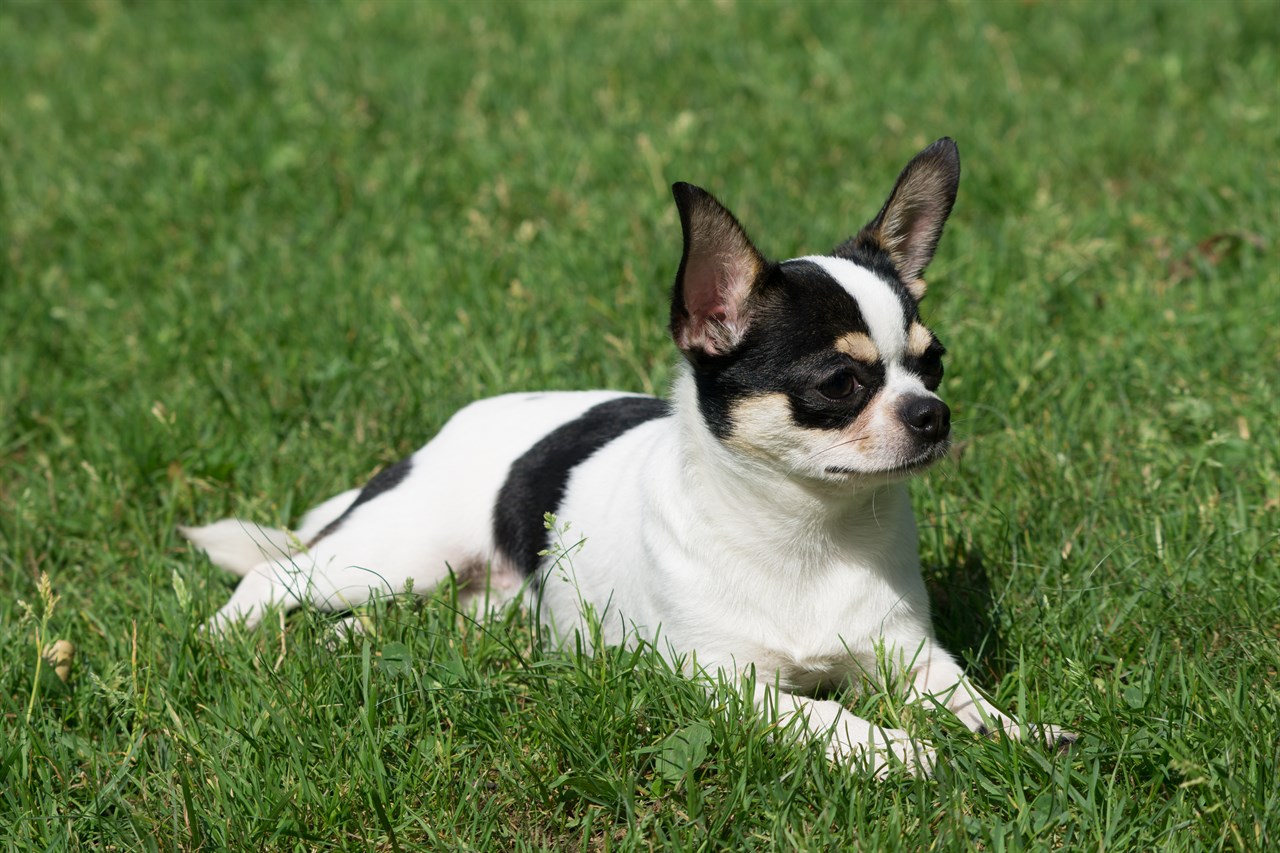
[887, 752]
[343, 631]
[1057, 739]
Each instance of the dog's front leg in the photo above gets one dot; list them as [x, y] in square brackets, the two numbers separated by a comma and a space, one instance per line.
[934, 675]
[849, 738]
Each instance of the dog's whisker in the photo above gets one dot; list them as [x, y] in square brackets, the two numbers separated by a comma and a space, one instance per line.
[838, 445]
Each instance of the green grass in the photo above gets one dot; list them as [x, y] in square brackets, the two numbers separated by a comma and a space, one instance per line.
[253, 251]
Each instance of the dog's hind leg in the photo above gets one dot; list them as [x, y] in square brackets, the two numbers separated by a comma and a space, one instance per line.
[401, 537]
[328, 579]
[274, 582]
[416, 522]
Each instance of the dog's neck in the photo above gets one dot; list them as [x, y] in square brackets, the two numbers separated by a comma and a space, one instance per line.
[737, 493]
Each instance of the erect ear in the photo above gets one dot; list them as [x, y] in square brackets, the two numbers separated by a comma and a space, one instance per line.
[909, 225]
[709, 305]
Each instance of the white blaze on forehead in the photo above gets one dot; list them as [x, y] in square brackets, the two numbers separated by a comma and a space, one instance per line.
[880, 305]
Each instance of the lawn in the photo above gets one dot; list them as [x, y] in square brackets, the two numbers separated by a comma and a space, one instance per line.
[255, 251]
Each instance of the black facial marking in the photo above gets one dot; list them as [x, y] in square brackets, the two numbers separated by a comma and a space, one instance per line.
[813, 408]
[384, 481]
[536, 482]
[801, 311]
[928, 365]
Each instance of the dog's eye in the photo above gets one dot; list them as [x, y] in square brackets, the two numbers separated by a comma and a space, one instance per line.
[931, 373]
[838, 385]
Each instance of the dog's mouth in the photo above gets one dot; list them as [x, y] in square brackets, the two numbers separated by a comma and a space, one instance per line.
[933, 454]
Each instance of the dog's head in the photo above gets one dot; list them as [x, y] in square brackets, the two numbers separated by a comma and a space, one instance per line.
[820, 366]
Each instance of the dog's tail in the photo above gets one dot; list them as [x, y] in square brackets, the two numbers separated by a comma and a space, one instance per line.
[237, 545]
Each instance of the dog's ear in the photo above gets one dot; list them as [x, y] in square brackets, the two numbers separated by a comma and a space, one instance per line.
[709, 306]
[909, 225]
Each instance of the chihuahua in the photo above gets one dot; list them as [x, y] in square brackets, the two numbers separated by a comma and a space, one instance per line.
[756, 525]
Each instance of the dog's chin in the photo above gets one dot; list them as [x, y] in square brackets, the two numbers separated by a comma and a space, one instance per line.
[899, 471]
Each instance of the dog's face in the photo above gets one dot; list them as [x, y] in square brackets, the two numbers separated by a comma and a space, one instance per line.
[820, 366]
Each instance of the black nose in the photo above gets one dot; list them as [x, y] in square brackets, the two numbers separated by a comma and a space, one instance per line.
[929, 417]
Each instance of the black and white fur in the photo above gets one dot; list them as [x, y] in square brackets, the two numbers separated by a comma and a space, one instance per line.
[759, 520]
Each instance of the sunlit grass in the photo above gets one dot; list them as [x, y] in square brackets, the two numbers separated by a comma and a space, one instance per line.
[255, 251]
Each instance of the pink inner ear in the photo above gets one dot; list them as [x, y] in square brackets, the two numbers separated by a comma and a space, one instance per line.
[715, 294]
[706, 327]
[705, 296]
[719, 285]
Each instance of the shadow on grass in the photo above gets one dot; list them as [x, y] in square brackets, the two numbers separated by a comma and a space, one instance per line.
[963, 606]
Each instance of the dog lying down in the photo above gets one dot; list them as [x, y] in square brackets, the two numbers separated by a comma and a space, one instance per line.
[756, 520]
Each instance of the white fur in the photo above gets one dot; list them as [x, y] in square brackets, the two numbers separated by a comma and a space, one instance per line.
[782, 556]
[732, 566]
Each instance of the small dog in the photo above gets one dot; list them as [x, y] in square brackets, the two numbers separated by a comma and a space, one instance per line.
[758, 522]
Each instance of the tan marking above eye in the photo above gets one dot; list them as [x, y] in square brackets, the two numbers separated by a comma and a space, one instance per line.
[918, 340]
[859, 347]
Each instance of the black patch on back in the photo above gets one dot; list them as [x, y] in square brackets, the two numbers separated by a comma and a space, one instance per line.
[799, 311]
[383, 481]
[536, 482]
